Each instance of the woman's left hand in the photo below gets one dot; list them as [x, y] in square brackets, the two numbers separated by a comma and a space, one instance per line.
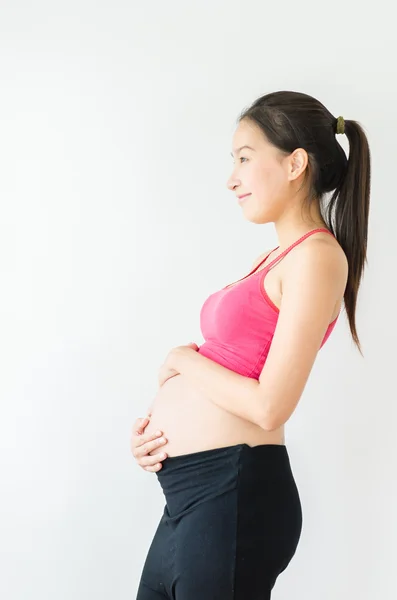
[166, 370]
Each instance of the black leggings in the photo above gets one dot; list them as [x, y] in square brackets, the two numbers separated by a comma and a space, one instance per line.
[231, 524]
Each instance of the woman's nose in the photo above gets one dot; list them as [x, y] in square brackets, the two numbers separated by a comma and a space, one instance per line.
[232, 182]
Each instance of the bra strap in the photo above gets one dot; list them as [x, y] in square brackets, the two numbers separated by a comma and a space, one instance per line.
[298, 241]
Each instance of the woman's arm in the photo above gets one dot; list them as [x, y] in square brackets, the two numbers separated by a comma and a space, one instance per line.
[311, 288]
[235, 393]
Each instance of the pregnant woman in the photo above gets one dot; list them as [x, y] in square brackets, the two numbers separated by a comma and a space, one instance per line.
[233, 518]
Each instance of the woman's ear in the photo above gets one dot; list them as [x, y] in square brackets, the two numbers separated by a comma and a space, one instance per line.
[298, 163]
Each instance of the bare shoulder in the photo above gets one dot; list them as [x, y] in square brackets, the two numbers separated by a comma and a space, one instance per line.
[321, 252]
[332, 253]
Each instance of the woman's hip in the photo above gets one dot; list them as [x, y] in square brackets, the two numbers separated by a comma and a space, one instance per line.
[234, 511]
[260, 477]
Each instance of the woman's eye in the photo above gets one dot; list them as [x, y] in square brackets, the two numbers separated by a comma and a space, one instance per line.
[241, 158]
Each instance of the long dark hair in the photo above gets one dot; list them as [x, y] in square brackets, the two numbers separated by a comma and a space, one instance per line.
[293, 120]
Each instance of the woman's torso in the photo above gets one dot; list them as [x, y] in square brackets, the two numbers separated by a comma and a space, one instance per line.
[191, 422]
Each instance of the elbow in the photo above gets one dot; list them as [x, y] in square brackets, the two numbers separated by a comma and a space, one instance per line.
[268, 421]
[268, 424]
[266, 417]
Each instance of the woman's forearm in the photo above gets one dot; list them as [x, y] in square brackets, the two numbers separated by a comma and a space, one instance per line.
[231, 391]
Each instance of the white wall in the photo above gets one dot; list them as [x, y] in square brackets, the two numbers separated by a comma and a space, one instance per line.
[115, 135]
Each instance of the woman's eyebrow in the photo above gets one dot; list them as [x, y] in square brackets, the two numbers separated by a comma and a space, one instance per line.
[236, 150]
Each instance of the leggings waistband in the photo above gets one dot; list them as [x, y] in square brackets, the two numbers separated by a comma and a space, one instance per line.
[189, 479]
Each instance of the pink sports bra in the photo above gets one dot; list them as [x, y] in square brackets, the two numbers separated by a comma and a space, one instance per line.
[239, 320]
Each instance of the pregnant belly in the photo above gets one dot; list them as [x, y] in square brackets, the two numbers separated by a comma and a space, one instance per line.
[191, 422]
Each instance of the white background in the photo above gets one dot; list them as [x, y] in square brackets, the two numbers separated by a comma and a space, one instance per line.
[116, 123]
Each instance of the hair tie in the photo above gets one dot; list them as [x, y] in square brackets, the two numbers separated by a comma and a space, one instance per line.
[340, 125]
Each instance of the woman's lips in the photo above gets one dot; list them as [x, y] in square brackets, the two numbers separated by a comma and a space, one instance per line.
[242, 198]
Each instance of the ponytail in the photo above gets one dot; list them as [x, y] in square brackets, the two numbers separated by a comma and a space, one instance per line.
[347, 216]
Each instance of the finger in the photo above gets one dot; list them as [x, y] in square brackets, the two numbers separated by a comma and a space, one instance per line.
[139, 445]
[140, 425]
[137, 426]
[136, 438]
[148, 447]
[151, 461]
[154, 468]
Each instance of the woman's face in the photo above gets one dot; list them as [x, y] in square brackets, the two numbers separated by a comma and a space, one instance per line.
[261, 171]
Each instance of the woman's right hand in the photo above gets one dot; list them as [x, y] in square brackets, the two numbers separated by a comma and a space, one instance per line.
[142, 444]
